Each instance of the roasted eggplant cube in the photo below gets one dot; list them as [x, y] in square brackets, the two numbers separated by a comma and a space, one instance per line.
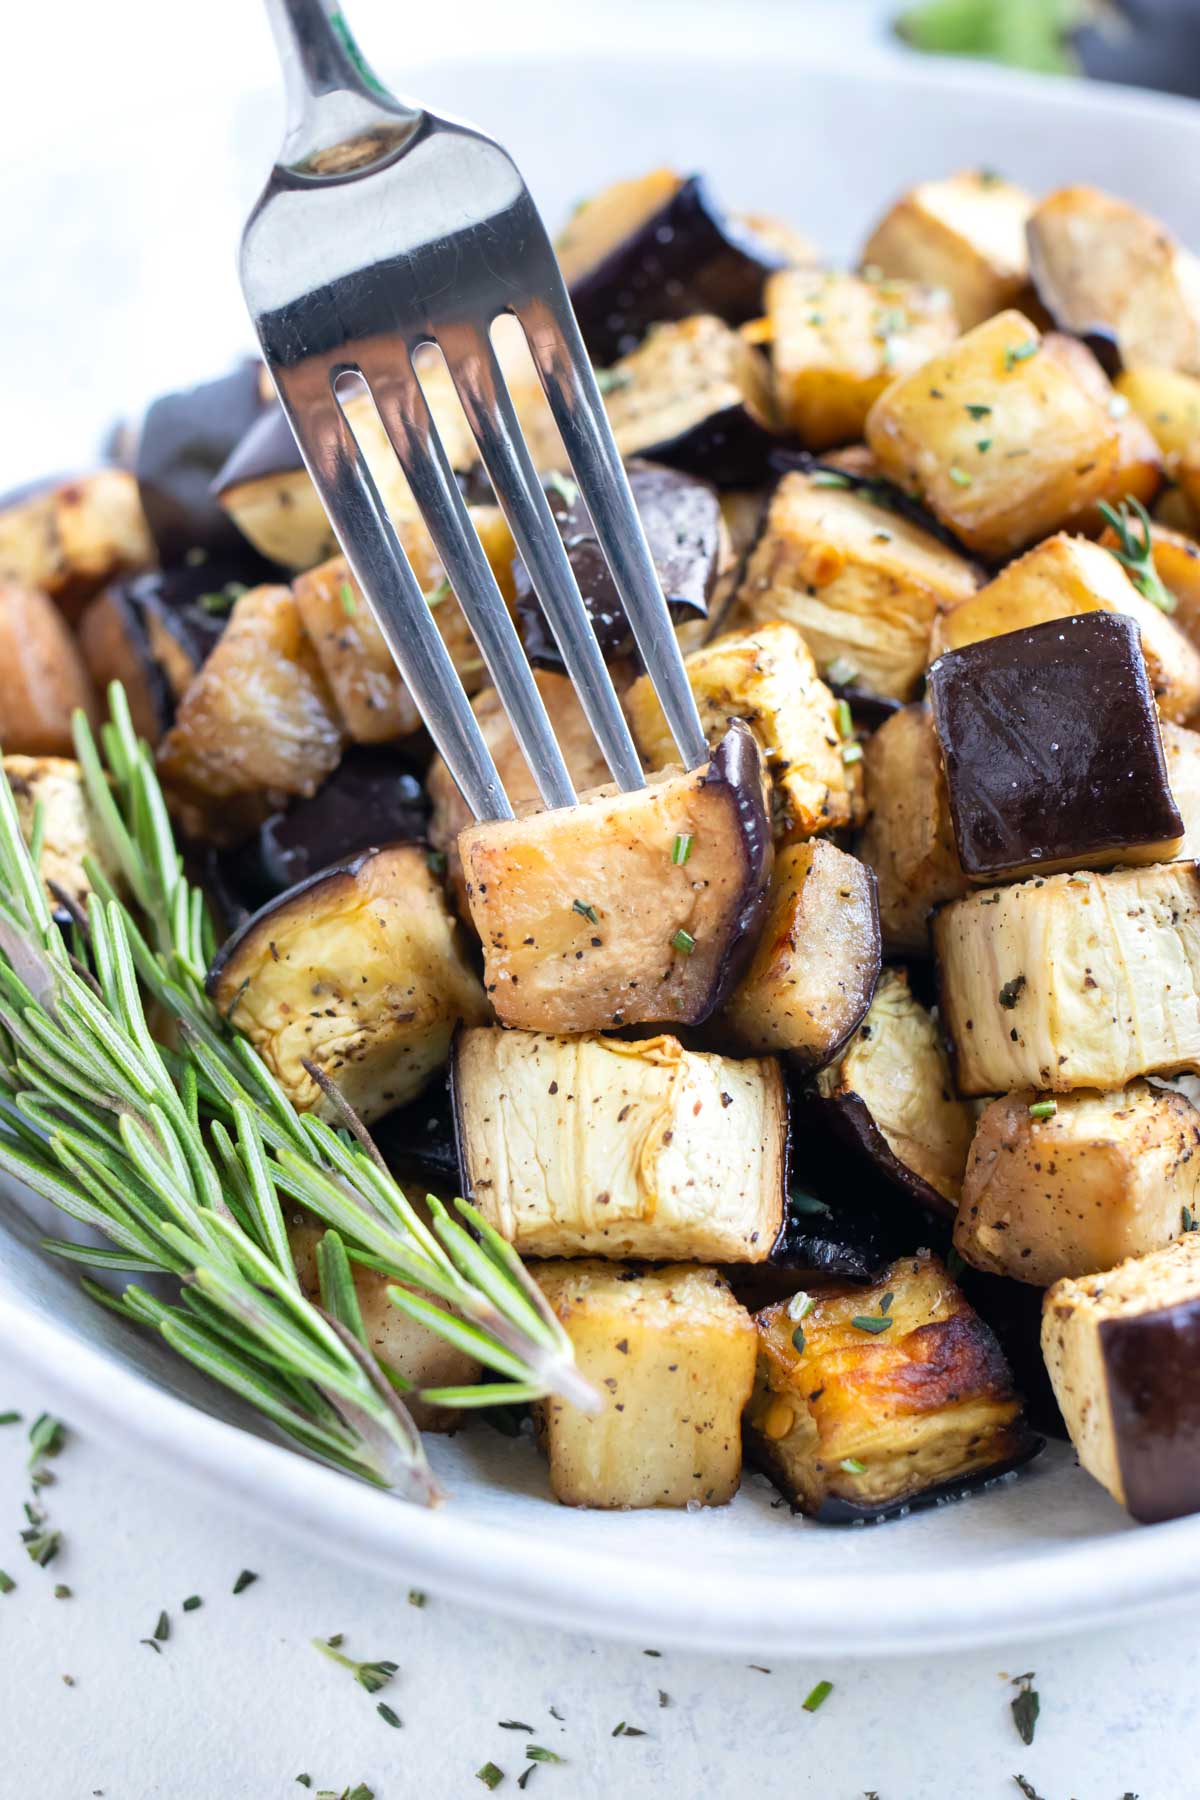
[1140, 467]
[891, 1096]
[696, 396]
[1103, 1177]
[402, 1345]
[672, 1355]
[42, 674]
[359, 970]
[68, 540]
[185, 440]
[629, 908]
[964, 233]
[909, 838]
[257, 726]
[1168, 403]
[681, 516]
[768, 678]
[816, 962]
[1052, 750]
[867, 1400]
[598, 1147]
[838, 340]
[1065, 576]
[659, 247]
[69, 833]
[1073, 981]
[1101, 266]
[1002, 442]
[576, 740]
[861, 584]
[1121, 1350]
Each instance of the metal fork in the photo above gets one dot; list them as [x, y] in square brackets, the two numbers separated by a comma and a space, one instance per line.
[384, 228]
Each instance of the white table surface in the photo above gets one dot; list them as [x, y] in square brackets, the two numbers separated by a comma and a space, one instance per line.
[238, 1703]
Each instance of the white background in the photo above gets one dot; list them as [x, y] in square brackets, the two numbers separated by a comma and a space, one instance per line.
[112, 114]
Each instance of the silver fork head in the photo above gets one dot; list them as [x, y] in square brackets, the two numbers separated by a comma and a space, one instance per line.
[384, 228]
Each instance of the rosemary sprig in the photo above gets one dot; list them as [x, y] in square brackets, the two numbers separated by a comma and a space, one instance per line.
[183, 1157]
[1136, 554]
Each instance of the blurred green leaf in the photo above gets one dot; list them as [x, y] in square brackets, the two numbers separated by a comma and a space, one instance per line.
[1026, 34]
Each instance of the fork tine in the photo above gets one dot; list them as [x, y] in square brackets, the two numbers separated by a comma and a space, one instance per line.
[570, 387]
[473, 364]
[400, 400]
[369, 542]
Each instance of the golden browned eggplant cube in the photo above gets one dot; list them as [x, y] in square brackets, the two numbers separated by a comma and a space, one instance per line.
[257, 725]
[598, 1147]
[359, 970]
[1073, 981]
[1169, 404]
[868, 1399]
[861, 584]
[42, 674]
[1177, 564]
[69, 540]
[411, 1350]
[1140, 471]
[672, 1354]
[1050, 1193]
[1121, 1350]
[964, 233]
[1100, 265]
[817, 961]
[1052, 750]
[1002, 442]
[890, 1095]
[1066, 576]
[836, 342]
[767, 677]
[909, 837]
[628, 908]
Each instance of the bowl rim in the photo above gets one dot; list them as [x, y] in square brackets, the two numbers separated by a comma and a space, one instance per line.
[1091, 1582]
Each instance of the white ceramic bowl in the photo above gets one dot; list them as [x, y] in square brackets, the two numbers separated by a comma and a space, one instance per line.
[1047, 1552]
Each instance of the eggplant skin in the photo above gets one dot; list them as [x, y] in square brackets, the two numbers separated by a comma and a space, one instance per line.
[587, 922]
[891, 1096]
[683, 256]
[595, 1146]
[671, 1353]
[359, 970]
[1108, 1176]
[926, 1406]
[1121, 1350]
[1052, 750]
[1078, 980]
[184, 440]
[817, 960]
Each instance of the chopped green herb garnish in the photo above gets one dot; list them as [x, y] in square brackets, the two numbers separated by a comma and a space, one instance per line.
[490, 1775]
[162, 1630]
[868, 1322]
[41, 1546]
[1028, 1789]
[1187, 1220]
[664, 1699]
[536, 1753]
[346, 596]
[845, 719]
[800, 1305]
[416, 1597]
[983, 445]
[624, 1730]
[370, 1675]
[840, 672]
[1025, 1707]
[681, 849]
[1136, 555]
[799, 1340]
[851, 753]
[152, 1644]
[304, 1780]
[684, 942]
[437, 594]
[800, 1202]
[1043, 1109]
[514, 1725]
[223, 599]
[1019, 353]
[563, 486]
[852, 1465]
[818, 1697]
[830, 478]
[885, 1305]
[7, 1584]
[61, 1591]
[977, 410]
[45, 1437]
[244, 1580]
[192, 1602]
[435, 861]
[610, 381]
[387, 1715]
[959, 476]
[585, 911]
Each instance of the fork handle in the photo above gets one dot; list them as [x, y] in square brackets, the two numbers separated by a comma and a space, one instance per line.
[321, 64]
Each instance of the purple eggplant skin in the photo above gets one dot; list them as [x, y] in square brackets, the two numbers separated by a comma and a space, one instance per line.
[267, 447]
[682, 520]
[729, 448]
[185, 439]
[1051, 746]
[871, 710]
[851, 1120]
[373, 797]
[687, 257]
[736, 763]
[419, 1141]
[1012, 1311]
[1150, 1364]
